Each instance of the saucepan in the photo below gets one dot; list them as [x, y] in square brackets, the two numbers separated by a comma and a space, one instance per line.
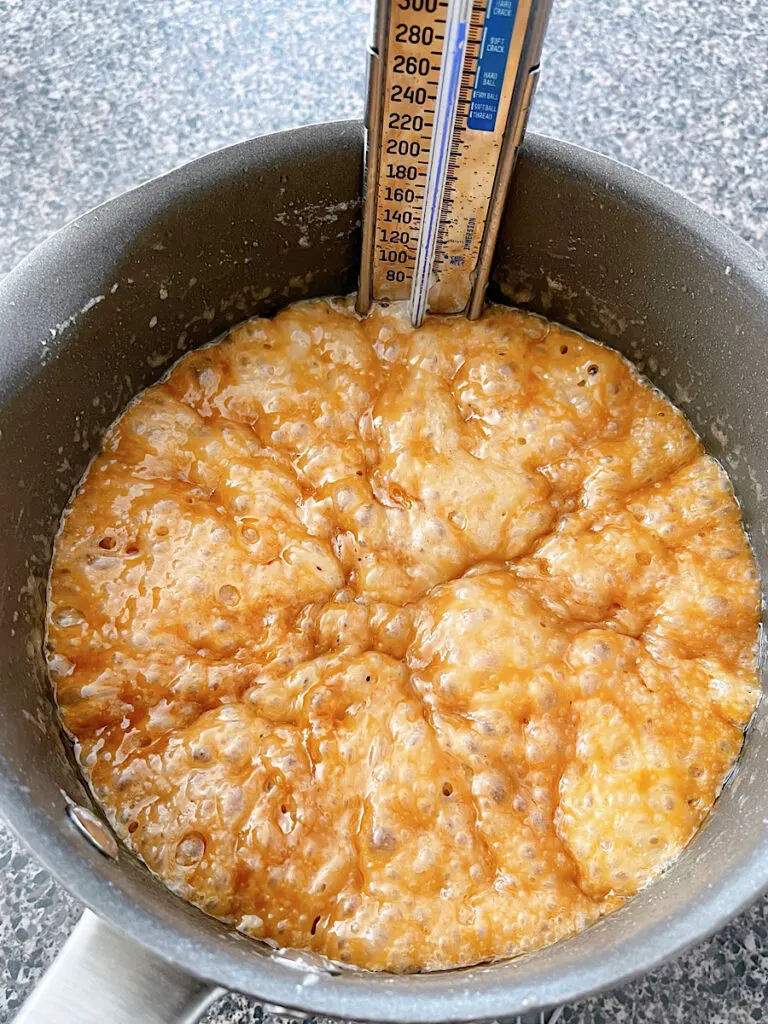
[103, 307]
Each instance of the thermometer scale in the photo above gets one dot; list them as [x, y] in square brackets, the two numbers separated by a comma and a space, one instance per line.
[449, 89]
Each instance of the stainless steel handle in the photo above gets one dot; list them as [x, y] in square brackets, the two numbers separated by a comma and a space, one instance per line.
[100, 977]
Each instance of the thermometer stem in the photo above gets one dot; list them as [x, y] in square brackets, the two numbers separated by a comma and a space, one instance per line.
[456, 30]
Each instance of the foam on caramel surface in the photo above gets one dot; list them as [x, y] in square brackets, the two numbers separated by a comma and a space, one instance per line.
[411, 647]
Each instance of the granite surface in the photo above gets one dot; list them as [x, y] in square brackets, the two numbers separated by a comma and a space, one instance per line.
[98, 95]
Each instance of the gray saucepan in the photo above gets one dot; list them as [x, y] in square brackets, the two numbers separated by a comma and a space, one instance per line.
[103, 307]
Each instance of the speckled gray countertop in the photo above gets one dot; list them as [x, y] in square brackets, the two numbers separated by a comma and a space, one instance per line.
[98, 95]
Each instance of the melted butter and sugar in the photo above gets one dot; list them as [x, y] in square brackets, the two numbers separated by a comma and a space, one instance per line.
[412, 647]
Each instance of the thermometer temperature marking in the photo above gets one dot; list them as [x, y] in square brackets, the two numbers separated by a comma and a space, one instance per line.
[440, 155]
[450, 84]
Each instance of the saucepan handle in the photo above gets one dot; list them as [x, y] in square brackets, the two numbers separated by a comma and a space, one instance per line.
[100, 977]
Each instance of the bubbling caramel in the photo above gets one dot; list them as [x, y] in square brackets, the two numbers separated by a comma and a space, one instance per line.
[411, 647]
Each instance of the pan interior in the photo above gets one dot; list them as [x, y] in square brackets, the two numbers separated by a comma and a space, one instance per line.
[101, 309]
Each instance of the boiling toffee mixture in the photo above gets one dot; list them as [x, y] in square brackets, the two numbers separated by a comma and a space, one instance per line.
[411, 647]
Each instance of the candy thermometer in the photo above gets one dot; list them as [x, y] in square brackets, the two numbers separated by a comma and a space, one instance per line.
[449, 90]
